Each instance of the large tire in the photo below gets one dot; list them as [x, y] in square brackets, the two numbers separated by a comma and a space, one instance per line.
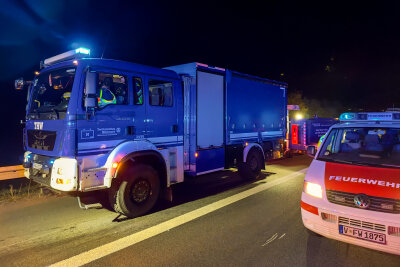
[251, 169]
[136, 191]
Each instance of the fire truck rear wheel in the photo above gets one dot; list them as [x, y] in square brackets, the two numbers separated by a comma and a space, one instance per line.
[136, 192]
[251, 169]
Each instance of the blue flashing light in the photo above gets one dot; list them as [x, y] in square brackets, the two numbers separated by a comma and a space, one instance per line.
[51, 161]
[347, 116]
[370, 116]
[363, 116]
[82, 50]
[29, 156]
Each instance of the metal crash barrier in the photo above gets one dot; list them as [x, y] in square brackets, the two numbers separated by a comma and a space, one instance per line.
[11, 172]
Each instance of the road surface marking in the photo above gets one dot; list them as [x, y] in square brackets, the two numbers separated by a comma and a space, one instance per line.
[117, 245]
[282, 236]
[270, 240]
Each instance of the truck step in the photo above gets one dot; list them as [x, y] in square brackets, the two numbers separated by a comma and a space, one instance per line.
[85, 205]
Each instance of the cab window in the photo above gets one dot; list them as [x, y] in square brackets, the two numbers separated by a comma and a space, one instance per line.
[137, 91]
[160, 93]
[112, 89]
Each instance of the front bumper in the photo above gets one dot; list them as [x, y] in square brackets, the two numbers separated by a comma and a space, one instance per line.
[57, 173]
[330, 229]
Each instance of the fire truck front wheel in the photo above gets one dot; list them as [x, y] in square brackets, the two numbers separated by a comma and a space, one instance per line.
[136, 191]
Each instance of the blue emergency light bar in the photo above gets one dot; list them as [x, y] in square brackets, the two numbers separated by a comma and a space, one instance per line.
[370, 116]
[72, 54]
[82, 50]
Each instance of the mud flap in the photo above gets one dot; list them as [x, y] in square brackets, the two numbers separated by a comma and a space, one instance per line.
[167, 194]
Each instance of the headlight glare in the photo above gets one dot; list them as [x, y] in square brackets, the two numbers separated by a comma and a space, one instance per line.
[313, 189]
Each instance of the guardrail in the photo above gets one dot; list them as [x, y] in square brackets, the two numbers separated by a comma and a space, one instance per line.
[11, 172]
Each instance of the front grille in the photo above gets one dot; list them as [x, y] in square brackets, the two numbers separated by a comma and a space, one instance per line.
[43, 140]
[380, 204]
[362, 224]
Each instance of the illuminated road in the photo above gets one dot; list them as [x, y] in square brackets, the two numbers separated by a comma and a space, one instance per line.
[218, 220]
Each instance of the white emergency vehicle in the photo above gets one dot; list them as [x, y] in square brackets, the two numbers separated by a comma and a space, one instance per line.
[352, 187]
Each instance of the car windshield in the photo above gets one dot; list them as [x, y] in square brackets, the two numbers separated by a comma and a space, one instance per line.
[51, 93]
[375, 146]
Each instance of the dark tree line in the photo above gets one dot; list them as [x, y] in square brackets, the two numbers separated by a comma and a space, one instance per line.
[310, 107]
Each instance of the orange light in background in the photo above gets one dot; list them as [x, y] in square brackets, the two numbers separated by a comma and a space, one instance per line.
[75, 62]
[37, 73]
[115, 165]
[196, 155]
[299, 116]
[246, 144]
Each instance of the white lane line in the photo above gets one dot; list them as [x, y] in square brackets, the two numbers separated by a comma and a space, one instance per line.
[117, 245]
[270, 240]
[282, 236]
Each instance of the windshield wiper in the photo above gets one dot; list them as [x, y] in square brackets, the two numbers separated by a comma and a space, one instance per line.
[335, 160]
[390, 165]
[38, 113]
[50, 109]
[344, 161]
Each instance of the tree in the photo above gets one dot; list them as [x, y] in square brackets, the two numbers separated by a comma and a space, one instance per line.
[296, 98]
[310, 107]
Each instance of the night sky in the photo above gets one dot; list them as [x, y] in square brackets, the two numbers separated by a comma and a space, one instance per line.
[345, 53]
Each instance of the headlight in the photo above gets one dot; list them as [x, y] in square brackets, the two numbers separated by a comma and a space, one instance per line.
[313, 189]
[27, 156]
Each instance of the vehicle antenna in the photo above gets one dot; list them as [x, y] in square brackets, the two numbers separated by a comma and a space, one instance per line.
[106, 43]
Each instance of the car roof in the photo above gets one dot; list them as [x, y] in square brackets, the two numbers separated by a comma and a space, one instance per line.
[372, 124]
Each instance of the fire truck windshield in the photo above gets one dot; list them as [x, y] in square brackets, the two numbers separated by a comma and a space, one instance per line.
[50, 94]
[363, 146]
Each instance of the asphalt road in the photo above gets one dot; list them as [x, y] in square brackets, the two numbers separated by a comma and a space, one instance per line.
[215, 219]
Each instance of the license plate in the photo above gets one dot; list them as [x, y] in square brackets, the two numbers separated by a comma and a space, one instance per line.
[37, 166]
[362, 234]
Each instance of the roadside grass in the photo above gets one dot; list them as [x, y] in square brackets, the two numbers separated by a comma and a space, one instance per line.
[17, 189]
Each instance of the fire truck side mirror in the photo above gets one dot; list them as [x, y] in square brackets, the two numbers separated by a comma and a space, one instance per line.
[90, 89]
[19, 84]
[311, 151]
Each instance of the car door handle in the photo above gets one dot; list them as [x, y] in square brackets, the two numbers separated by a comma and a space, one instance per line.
[130, 130]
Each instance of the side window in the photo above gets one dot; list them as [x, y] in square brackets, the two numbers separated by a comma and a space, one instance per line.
[330, 145]
[112, 89]
[160, 93]
[137, 91]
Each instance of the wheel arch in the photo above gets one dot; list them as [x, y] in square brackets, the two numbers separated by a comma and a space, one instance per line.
[139, 152]
[148, 157]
